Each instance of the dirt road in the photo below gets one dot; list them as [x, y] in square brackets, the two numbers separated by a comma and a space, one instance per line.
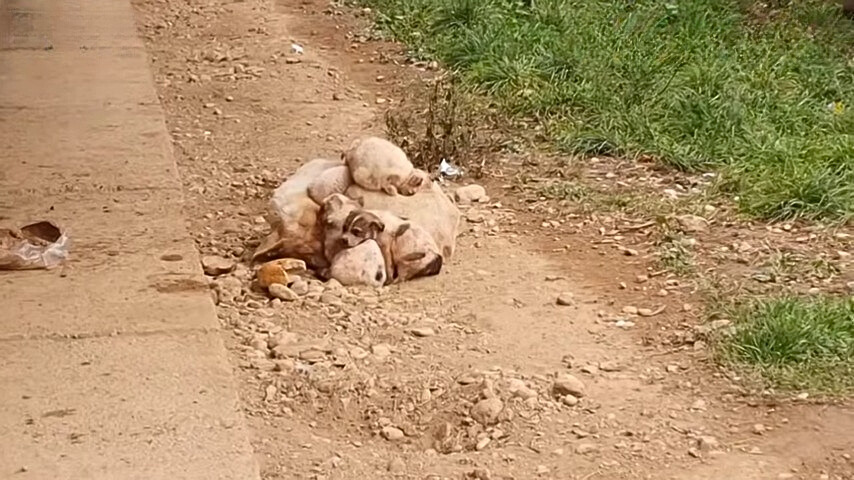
[454, 376]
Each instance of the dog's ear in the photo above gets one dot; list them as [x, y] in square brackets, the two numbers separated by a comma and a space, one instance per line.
[376, 226]
[402, 229]
[333, 202]
[411, 257]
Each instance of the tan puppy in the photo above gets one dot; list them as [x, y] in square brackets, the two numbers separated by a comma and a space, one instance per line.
[408, 250]
[334, 180]
[378, 165]
[430, 209]
[360, 265]
[293, 216]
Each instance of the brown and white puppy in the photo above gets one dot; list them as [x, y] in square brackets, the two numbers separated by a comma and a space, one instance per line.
[330, 181]
[378, 165]
[293, 216]
[408, 250]
[430, 209]
[335, 210]
[362, 264]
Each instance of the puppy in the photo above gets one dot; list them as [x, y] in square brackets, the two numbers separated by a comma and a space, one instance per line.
[334, 180]
[360, 265]
[430, 209]
[408, 250]
[378, 165]
[335, 210]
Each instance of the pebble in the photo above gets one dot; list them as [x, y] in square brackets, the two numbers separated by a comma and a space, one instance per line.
[283, 293]
[215, 266]
[586, 448]
[610, 366]
[707, 442]
[692, 223]
[300, 287]
[569, 400]
[630, 310]
[469, 194]
[517, 388]
[381, 350]
[482, 443]
[759, 429]
[422, 332]
[567, 384]
[566, 299]
[392, 434]
[358, 353]
[700, 404]
[486, 411]
[542, 470]
[396, 467]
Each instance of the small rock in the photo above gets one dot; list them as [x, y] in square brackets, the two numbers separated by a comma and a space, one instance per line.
[642, 279]
[482, 443]
[586, 448]
[692, 223]
[283, 293]
[542, 470]
[630, 310]
[486, 411]
[566, 299]
[358, 353]
[381, 350]
[396, 467]
[392, 434]
[517, 388]
[610, 366]
[694, 452]
[469, 194]
[759, 429]
[299, 286]
[590, 369]
[336, 96]
[707, 443]
[215, 266]
[700, 405]
[422, 332]
[567, 384]
[475, 217]
[569, 400]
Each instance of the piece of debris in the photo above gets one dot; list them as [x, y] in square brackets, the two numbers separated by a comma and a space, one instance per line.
[39, 245]
[277, 271]
[566, 299]
[297, 49]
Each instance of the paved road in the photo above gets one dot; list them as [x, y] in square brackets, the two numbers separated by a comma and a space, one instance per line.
[111, 368]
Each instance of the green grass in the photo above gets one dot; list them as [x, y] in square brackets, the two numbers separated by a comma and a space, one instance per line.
[699, 84]
[795, 343]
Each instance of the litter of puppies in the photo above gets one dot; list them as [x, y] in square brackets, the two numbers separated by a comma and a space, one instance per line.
[369, 218]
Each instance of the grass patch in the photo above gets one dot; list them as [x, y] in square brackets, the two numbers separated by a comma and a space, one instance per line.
[765, 94]
[795, 343]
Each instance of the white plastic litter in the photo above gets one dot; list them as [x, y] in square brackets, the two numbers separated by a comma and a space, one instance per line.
[297, 49]
[447, 169]
[39, 245]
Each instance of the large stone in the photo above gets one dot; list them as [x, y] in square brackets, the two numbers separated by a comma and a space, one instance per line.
[566, 384]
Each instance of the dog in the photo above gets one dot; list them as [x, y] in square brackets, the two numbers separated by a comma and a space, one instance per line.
[330, 181]
[334, 213]
[376, 164]
[429, 208]
[408, 250]
[293, 217]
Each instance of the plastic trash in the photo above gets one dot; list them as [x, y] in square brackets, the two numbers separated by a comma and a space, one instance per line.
[40, 245]
[297, 49]
[447, 169]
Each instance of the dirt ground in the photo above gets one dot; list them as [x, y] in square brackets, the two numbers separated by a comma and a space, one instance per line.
[451, 376]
